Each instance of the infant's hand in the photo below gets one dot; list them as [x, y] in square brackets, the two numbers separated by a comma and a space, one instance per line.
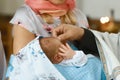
[66, 51]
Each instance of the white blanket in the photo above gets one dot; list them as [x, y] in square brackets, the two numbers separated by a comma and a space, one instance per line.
[32, 64]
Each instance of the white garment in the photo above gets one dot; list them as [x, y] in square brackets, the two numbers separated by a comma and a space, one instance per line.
[109, 49]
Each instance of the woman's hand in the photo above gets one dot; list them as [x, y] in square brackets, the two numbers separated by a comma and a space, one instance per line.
[66, 32]
[66, 52]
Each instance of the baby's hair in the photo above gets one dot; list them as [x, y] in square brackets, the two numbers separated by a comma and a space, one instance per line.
[50, 49]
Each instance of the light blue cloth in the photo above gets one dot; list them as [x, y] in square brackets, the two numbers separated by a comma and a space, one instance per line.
[93, 70]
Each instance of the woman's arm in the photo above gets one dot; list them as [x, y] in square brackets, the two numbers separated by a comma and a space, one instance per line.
[87, 43]
[21, 37]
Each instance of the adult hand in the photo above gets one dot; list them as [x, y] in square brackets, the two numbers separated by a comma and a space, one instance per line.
[66, 32]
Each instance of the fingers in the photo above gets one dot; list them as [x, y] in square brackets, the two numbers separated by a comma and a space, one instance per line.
[60, 33]
[63, 51]
[63, 48]
[62, 54]
[57, 31]
[63, 37]
[66, 51]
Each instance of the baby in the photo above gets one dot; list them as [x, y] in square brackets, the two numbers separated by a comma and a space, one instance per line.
[62, 53]
[57, 52]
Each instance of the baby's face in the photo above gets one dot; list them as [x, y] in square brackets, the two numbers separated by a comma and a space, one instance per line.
[50, 46]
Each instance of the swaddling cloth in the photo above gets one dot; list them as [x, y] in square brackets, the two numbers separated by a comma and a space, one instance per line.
[32, 64]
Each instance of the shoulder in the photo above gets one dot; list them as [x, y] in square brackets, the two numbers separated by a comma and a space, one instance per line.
[23, 10]
[24, 14]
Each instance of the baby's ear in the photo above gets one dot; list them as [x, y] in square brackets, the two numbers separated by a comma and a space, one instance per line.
[58, 58]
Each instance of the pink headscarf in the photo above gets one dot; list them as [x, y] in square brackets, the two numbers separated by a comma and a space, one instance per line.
[39, 5]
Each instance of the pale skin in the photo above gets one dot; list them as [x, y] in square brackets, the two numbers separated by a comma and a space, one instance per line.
[66, 52]
[22, 36]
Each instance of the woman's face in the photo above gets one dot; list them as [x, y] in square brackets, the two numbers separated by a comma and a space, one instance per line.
[57, 1]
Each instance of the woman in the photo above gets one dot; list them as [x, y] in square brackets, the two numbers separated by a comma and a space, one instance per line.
[39, 17]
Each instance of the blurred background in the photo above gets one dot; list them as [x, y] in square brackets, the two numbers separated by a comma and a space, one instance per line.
[103, 15]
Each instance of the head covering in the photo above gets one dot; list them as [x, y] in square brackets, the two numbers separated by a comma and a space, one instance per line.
[47, 7]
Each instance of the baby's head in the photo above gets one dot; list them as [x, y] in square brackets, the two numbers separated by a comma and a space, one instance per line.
[50, 46]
